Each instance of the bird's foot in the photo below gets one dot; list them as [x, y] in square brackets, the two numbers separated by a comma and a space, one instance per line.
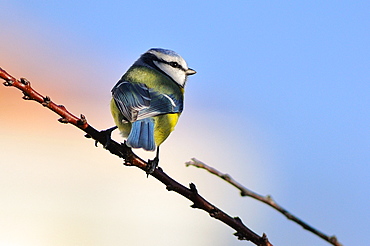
[107, 134]
[152, 165]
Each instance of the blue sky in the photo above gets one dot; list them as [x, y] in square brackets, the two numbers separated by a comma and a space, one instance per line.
[280, 102]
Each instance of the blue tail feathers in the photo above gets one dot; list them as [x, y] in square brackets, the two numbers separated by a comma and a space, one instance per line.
[142, 134]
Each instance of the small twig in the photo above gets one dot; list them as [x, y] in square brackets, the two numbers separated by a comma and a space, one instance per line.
[265, 199]
[122, 151]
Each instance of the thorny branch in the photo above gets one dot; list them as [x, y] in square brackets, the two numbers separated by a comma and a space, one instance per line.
[265, 199]
[124, 152]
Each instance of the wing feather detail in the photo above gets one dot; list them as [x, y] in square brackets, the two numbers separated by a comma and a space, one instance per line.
[136, 101]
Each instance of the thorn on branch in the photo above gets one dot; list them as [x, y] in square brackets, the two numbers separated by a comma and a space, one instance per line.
[25, 81]
[226, 177]
[240, 236]
[238, 219]
[193, 188]
[82, 120]
[46, 101]
[8, 83]
[169, 187]
[269, 198]
[126, 163]
[264, 240]
[63, 120]
[26, 96]
[194, 206]
[334, 240]
[214, 212]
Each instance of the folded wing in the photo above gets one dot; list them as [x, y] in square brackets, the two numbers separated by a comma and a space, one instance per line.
[136, 101]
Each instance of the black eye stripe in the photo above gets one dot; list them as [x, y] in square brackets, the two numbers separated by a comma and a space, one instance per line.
[172, 64]
[149, 58]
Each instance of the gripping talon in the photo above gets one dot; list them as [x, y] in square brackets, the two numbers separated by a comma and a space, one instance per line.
[108, 134]
[153, 164]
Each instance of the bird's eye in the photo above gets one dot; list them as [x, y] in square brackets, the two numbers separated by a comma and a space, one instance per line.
[175, 64]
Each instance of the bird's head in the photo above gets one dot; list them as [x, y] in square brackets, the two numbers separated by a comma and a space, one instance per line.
[168, 62]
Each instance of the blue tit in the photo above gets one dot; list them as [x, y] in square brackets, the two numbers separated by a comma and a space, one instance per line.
[149, 98]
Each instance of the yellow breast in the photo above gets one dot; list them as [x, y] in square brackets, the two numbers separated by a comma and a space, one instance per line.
[163, 126]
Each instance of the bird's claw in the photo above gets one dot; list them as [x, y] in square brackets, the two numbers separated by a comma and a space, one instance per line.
[152, 165]
[107, 133]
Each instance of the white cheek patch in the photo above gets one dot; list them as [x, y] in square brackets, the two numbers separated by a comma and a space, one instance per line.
[176, 74]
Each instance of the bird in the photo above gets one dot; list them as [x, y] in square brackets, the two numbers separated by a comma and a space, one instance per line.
[148, 100]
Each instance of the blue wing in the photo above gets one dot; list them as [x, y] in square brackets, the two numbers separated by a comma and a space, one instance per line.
[136, 101]
[130, 99]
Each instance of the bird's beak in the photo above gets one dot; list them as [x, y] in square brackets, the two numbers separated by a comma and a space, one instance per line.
[190, 71]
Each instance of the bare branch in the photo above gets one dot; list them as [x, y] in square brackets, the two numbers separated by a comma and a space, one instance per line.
[124, 152]
[265, 199]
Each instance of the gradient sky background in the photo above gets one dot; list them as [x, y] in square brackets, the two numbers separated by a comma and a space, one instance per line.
[280, 102]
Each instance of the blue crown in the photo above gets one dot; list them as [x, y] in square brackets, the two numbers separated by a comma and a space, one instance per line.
[165, 51]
